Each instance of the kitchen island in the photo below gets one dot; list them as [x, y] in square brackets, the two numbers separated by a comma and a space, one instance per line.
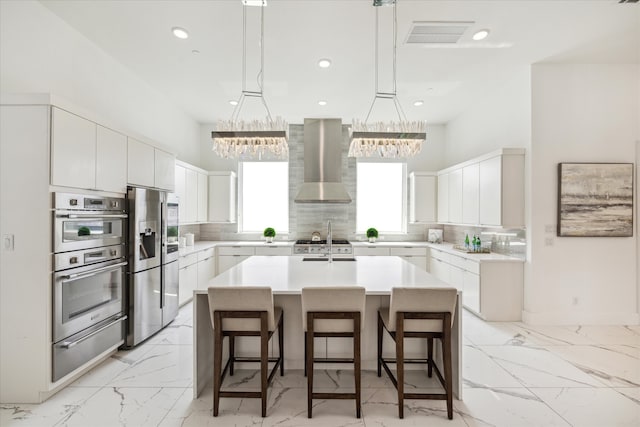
[287, 275]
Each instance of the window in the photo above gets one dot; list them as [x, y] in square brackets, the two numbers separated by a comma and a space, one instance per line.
[264, 199]
[381, 199]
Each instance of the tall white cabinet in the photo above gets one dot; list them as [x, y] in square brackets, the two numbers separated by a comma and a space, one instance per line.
[149, 166]
[192, 186]
[222, 196]
[422, 197]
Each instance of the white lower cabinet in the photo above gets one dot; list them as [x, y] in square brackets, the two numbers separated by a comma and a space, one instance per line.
[471, 291]
[228, 256]
[416, 256]
[370, 250]
[206, 267]
[274, 250]
[188, 277]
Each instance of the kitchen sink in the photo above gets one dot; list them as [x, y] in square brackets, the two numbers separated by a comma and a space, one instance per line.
[327, 259]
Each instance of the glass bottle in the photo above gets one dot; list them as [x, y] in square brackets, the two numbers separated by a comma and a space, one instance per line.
[466, 242]
[479, 245]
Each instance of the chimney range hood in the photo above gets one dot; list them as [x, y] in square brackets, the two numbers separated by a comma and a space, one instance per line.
[322, 163]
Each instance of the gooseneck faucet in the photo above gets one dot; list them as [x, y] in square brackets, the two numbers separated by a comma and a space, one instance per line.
[330, 241]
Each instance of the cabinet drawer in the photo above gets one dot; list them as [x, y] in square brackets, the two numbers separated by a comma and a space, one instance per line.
[440, 255]
[236, 250]
[471, 291]
[206, 254]
[408, 250]
[472, 266]
[188, 260]
[370, 250]
[458, 261]
[273, 250]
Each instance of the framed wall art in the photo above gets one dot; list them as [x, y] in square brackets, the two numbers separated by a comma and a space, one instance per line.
[595, 199]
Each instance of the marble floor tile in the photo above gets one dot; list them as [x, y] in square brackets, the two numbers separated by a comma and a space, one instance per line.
[610, 334]
[479, 332]
[632, 393]
[480, 370]
[330, 379]
[540, 335]
[595, 407]
[506, 407]
[538, 367]
[162, 366]
[616, 366]
[55, 410]
[173, 334]
[114, 406]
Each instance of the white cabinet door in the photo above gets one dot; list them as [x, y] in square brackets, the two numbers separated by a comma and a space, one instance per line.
[370, 250]
[111, 160]
[141, 163]
[440, 269]
[422, 194]
[188, 277]
[419, 261]
[73, 150]
[181, 191]
[206, 271]
[490, 173]
[270, 250]
[456, 277]
[164, 170]
[443, 197]
[455, 196]
[225, 262]
[471, 291]
[203, 197]
[191, 196]
[470, 194]
[222, 197]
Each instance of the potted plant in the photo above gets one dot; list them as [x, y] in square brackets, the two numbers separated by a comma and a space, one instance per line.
[372, 235]
[269, 233]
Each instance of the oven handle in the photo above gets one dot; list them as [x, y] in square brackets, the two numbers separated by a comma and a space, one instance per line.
[91, 216]
[70, 344]
[78, 276]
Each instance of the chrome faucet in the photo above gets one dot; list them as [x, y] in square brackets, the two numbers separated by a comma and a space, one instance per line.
[330, 241]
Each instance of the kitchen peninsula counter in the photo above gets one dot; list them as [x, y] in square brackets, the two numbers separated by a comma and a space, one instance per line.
[287, 275]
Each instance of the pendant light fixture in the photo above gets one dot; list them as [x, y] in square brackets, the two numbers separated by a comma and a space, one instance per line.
[387, 139]
[251, 138]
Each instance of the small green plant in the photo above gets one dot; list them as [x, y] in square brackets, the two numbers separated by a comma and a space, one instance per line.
[269, 232]
[84, 231]
[372, 232]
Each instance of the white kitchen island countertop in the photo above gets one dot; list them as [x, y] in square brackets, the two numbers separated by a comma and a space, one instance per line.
[287, 275]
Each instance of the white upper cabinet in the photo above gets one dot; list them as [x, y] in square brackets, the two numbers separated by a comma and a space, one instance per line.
[222, 197]
[164, 170]
[111, 160]
[73, 150]
[203, 197]
[181, 190]
[422, 202]
[191, 197]
[443, 197]
[502, 190]
[470, 194]
[455, 196]
[141, 167]
[149, 166]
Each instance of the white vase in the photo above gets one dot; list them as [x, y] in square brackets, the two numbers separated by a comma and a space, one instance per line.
[269, 239]
[372, 239]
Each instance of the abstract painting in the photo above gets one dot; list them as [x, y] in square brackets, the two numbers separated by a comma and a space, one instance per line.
[595, 199]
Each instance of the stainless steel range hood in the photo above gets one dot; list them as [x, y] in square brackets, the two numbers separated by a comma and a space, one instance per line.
[322, 163]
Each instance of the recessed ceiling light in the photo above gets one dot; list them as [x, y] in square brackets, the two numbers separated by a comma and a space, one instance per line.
[180, 33]
[233, 102]
[480, 35]
[195, 51]
[418, 103]
[324, 63]
[322, 102]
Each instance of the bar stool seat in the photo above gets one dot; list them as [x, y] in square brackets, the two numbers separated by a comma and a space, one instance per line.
[335, 311]
[244, 311]
[419, 313]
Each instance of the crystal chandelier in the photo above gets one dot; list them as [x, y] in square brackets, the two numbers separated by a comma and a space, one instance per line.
[387, 139]
[251, 138]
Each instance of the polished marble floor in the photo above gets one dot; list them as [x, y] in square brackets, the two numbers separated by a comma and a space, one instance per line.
[514, 375]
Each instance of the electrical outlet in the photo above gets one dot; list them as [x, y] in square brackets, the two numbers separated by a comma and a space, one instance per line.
[548, 241]
[7, 242]
[574, 301]
[550, 228]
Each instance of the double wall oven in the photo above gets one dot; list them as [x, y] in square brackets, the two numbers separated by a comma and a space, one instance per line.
[89, 245]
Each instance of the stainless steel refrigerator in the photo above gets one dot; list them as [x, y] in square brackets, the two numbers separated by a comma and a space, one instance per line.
[153, 262]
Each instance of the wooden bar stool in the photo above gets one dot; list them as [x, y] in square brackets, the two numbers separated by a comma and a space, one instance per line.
[332, 312]
[244, 311]
[419, 313]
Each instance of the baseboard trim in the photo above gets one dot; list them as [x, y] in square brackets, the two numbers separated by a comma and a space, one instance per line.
[580, 318]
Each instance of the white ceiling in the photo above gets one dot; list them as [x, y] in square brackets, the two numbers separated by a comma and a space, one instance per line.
[300, 32]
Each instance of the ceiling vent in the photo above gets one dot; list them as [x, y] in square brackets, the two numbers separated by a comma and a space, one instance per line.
[436, 32]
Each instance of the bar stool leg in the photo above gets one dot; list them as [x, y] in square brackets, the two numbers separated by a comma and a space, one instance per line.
[309, 364]
[281, 343]
[357, 363]
[305, 354]
[446, 356]
[429, 357]
[217, 363]
[232, 353]
[264, 359]
[400, 363]
[379, 345]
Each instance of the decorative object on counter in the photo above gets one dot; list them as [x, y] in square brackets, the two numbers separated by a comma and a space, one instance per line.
[595, 199]
[434, 235]
[392, 139]
[466, 241]
[190, 239]
[269, 234]
[372, 235]
[471, 250]
[253, 138]
[315, 236]
[182, 242]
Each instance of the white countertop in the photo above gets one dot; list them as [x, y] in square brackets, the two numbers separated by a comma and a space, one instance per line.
[479, 257]
[289, 274]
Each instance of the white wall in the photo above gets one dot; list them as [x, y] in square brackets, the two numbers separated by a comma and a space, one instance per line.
[502, 119]
[41, 53]
[580, 113]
